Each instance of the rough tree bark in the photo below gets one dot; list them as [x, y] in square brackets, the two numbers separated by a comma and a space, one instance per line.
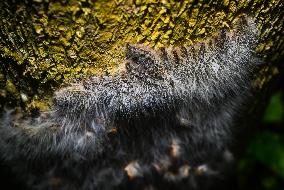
[45, 44]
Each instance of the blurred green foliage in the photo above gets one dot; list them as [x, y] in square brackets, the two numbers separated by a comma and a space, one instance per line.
[262, 167]
[268, 148]
[275, 110]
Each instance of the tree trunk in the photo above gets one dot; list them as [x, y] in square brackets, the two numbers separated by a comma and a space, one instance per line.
[45, 45]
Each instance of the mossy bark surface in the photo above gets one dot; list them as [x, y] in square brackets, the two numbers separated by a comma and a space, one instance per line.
[45, 43]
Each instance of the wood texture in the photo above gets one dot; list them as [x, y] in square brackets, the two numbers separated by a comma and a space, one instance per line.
[45, 43]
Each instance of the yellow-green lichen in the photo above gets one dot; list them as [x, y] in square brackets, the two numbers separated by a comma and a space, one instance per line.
[57, 41]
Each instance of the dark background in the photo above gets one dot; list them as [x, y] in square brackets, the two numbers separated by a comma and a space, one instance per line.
[261, 167]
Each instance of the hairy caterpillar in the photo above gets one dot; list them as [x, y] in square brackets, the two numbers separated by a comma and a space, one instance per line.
[172, 108]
